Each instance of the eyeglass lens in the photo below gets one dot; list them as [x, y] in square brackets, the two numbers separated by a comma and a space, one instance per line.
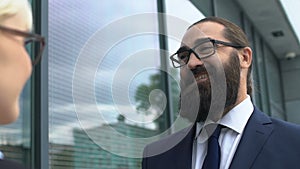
[202, 50]
[30, 45]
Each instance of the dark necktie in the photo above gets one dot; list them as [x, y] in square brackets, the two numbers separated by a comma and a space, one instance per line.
[213, 156]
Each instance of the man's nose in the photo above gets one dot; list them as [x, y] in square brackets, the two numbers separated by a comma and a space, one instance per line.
[194, 62]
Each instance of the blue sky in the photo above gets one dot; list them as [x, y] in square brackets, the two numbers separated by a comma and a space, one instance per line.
[291, 8]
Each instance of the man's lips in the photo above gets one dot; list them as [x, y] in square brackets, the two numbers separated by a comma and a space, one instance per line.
[200, 74]
[201, 77]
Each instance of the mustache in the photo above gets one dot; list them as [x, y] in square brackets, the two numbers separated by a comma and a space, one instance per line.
[199, 69]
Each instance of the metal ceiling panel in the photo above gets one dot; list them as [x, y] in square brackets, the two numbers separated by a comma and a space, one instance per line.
[269, 18]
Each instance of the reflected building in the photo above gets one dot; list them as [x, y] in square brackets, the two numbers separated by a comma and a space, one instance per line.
[92, 155]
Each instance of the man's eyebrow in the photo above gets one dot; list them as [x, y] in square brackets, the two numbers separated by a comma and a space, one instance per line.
[182, 48]
[196, 43]
[201, 40]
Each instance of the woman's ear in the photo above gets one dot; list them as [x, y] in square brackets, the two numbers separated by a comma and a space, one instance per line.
[245, 57]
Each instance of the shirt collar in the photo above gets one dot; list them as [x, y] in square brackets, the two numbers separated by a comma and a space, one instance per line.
[236, 119]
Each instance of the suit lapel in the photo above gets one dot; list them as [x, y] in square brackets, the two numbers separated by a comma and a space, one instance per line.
[182, 153]
[256, 133]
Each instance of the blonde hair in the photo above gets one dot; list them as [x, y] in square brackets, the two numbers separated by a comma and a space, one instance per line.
[11, 7]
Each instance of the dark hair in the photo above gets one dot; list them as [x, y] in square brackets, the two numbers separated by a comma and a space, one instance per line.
[235, 35]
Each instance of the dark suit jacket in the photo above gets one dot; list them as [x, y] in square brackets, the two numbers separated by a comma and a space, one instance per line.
[8, 164]
[266, 143]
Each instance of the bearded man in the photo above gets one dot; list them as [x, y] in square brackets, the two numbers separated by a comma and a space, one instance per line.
[228, 131]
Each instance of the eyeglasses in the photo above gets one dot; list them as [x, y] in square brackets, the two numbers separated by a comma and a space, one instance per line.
[205, 47]
[32, 42]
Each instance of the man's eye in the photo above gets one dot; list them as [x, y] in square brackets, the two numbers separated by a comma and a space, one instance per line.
[205, 48]
[183, 55]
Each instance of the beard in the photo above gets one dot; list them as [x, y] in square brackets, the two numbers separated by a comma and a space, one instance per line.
[232, 75]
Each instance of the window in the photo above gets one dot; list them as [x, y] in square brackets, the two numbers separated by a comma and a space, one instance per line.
[105, 90]
[177, 23]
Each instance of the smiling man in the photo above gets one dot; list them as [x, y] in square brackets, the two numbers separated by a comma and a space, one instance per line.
[228, 131]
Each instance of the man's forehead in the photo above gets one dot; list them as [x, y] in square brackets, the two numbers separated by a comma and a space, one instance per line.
[202, 31]
[191, 35]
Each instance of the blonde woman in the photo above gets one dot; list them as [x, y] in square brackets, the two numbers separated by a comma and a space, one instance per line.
[15, 63]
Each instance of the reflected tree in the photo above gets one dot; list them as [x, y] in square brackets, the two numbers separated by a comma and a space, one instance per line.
[148, 104]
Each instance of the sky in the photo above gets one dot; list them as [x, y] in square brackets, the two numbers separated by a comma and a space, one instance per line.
[291, 8]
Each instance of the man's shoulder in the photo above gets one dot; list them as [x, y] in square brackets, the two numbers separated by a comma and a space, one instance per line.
[285, 126]
[166, 139]
[168, 142]
[281, 128]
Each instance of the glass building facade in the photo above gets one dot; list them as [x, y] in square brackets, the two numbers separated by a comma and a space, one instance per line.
[106, 87]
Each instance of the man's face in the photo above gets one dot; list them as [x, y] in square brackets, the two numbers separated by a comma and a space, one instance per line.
[216, 78]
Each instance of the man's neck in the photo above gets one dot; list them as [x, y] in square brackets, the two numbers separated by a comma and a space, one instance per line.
[239, 100]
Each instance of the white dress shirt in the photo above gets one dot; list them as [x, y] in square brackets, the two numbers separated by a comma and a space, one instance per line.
[234, 121]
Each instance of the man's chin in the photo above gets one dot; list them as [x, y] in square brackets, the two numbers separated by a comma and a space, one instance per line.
[203, 86]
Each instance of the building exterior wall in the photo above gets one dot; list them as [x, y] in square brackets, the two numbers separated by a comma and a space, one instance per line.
[290, 71]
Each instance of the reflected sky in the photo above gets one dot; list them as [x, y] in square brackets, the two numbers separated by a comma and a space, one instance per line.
[71, 24]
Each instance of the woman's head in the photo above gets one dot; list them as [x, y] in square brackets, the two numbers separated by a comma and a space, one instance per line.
[15, 63]
[9, 8]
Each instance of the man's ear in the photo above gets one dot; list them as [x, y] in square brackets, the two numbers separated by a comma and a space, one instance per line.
[245, 57]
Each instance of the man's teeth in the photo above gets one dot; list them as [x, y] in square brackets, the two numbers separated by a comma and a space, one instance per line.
[201, 77]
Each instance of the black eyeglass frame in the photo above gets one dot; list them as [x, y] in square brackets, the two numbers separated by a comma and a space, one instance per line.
[30, 37]
[213, 41]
